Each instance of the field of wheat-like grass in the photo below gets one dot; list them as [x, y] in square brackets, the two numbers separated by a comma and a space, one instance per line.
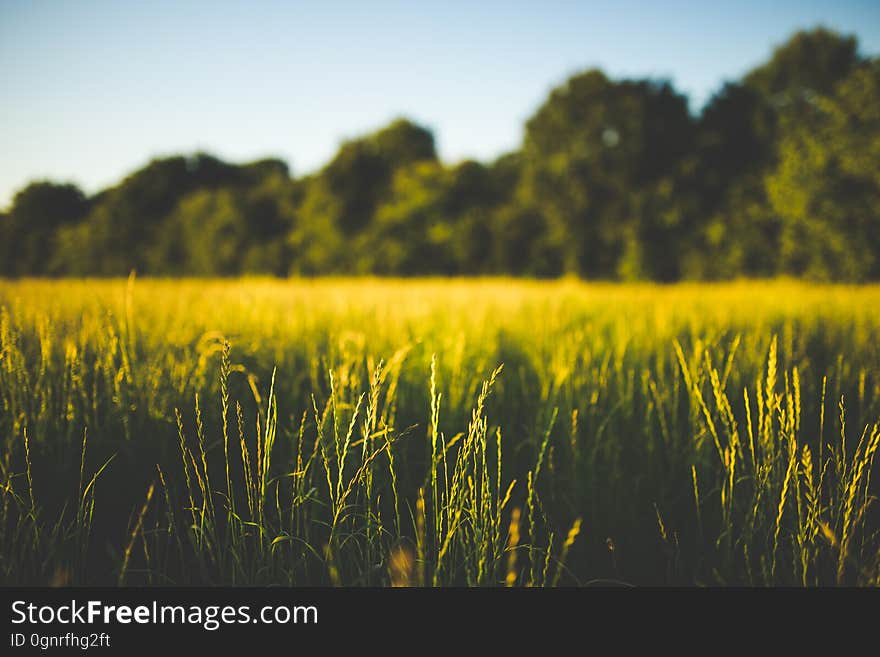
[438, 432]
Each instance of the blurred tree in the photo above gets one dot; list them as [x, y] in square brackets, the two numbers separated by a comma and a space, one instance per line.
[270, 213]
[826, 187]
[615, 179]
[526, 244]
[472, 195]
[360, 175]
[403, 142]
[253, 173]
[810, 63]
[739, 144]
[435, 220]
[129, 222]
[229, 230]
[7, 250]
[341, 200]
[413, 232]
[206, 234]
[29, 230]
[523, 242]
[732, 137]
[737, 233]
[592, 153]
[316, 241]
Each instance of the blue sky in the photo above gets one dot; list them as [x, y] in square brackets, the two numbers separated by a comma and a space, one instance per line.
[91, 90]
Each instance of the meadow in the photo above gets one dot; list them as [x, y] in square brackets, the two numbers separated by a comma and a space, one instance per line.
[369, 432]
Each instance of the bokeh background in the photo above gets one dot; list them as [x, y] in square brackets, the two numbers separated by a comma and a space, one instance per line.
[643, 141]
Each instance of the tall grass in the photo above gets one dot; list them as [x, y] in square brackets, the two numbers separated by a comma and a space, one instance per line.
[438, 433]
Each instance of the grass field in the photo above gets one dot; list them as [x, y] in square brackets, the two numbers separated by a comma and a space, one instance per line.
[497, 432]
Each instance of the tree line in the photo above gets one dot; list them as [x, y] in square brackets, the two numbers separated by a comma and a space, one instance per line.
[779, 174]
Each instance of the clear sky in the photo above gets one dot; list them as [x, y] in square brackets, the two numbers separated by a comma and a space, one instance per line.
[92, 89]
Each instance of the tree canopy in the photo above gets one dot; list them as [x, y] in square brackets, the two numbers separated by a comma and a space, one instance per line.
[779, 174]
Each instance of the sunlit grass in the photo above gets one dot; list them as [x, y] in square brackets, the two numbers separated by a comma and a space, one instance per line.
[435, 432]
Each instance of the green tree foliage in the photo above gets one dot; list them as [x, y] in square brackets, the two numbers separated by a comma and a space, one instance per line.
[615, 179]
[594, 155]
[360, 176]
[7, 245]
[739, 144]
[436, 220]
[412, 233]
[29, 231]
[524, 243]
[826, 187]
[126, 220]
[809, 63]
[227, 231]
[342, 199]
[138, 225]
[735, 233]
